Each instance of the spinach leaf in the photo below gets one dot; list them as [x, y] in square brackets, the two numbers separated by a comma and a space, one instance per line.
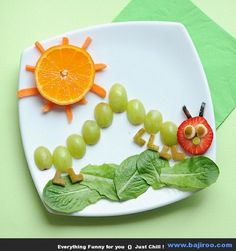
[100, 178]
[69, 199]
[129, 184]
[192, 173]
[149, 166]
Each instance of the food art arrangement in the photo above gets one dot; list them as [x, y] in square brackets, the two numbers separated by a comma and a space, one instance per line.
[64, 74]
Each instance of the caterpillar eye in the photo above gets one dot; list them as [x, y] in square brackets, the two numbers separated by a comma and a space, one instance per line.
[189, 132]
[201, 130]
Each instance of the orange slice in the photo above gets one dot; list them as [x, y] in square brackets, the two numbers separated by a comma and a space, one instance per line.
[64, 74]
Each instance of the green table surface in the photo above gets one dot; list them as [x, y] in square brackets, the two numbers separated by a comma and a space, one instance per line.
[209, 213]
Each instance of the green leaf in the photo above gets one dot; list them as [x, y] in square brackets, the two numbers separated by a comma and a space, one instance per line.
[129, 184]
[69, 199]
[192, 173]
[149, 167]
[100, 178]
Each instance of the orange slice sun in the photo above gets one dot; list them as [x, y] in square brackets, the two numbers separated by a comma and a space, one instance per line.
[64, 74]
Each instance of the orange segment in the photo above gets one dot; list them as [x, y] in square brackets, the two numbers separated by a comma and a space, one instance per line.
[30, 68]
[33, 91]
[64, 74]
[48, 106]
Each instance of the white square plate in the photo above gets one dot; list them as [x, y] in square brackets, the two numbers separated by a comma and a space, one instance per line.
[157, 63]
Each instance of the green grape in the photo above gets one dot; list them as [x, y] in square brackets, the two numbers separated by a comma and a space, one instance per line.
[118, 98]
[76, 146]
[62, 159]
[135, 112]
[42, 158]
[152, 122]
[168, 133]
[91, 132]
[103, 115]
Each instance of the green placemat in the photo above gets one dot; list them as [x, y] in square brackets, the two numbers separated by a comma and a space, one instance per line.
[216, 48]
